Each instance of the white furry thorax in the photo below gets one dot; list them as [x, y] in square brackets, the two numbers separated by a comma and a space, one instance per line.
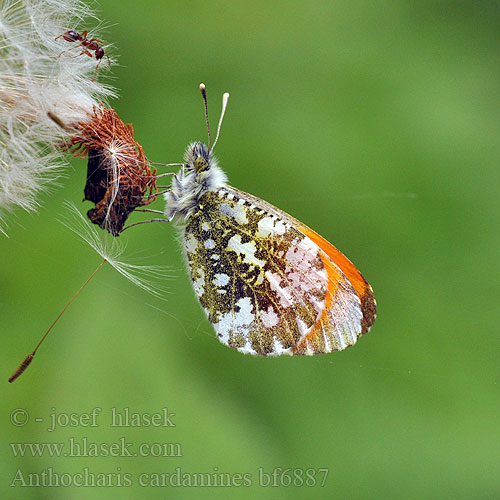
[199, 175]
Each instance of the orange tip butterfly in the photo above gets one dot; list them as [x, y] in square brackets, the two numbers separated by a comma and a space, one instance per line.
[268, 283]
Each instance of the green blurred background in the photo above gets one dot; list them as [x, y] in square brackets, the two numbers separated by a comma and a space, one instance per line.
[377, 124]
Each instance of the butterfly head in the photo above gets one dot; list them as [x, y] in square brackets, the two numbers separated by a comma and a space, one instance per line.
[198, 158]
[200, 174]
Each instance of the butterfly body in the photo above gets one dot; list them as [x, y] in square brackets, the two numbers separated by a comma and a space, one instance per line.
[268, 284]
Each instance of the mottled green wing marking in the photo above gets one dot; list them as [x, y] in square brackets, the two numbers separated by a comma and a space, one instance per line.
[261, 282]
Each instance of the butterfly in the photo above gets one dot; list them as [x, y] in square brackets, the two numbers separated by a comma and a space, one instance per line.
[268, 284]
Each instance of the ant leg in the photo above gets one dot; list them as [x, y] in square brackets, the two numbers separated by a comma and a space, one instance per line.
[85, 51]
[97, 40]
[67, 50]
[84, 34]
[96, 68]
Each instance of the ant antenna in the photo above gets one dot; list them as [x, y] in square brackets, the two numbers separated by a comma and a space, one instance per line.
[29, 358]
[225, 98]
[203, 91]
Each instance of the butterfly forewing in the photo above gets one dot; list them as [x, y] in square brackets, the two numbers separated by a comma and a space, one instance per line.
[266, 287]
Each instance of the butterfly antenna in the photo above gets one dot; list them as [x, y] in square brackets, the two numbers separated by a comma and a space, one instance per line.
[225, 98]
[203, 91]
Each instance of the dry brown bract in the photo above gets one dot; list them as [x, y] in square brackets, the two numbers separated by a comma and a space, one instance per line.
[118, 177]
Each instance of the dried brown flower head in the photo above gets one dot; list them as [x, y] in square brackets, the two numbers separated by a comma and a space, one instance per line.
[118, 177]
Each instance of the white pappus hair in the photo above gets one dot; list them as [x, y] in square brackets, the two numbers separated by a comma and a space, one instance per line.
[38, 75]
[199, 175]
[148, 277]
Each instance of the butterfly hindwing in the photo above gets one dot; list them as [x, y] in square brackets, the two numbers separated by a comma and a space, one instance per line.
[265, 285]
[361, 287]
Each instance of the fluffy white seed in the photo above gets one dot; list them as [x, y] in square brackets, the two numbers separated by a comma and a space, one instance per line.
[39, 74]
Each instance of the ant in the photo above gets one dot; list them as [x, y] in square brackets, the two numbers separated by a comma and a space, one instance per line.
[87, 45]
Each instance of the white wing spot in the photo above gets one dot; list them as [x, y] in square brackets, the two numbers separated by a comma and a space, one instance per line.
[270, 225]
[237, 212]
[199, 284]
[269, 318]
[210, 244]
[220, 279]
[240, 215]
[303, 328]
[247, 249]
[191, 243]
[225, 209]
[265, 227]
[235, 322]
[279, 227]
[284, 293]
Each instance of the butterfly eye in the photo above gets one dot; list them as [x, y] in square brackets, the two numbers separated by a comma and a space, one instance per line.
[201, 164]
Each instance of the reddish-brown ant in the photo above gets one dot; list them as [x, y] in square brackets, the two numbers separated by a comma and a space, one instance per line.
[87, 45]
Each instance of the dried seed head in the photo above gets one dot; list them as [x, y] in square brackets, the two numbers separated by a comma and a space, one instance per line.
[118, 178]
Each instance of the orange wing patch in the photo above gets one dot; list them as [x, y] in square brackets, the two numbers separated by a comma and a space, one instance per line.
[363, 289]
[329, 333]
[339, 324]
